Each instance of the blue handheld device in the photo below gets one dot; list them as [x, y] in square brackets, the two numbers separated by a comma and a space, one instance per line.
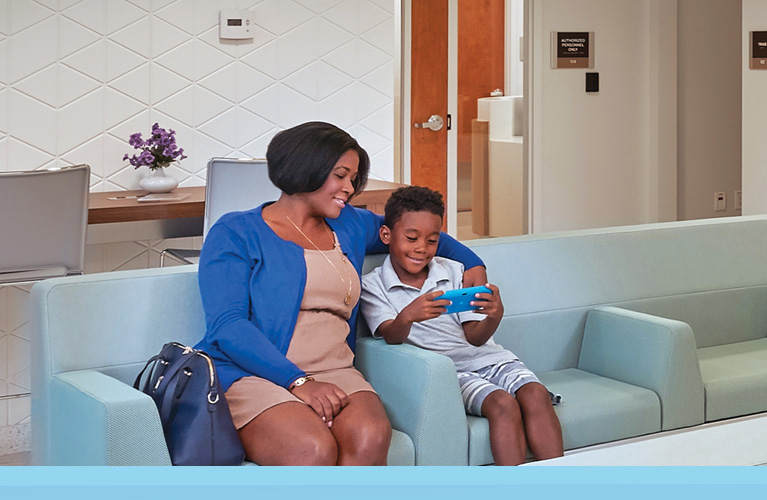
[461, 298]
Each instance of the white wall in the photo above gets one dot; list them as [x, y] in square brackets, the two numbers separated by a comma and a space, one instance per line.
[515, 21]
[754, 113]
[709, 104]
[78, 77]
[596, 160]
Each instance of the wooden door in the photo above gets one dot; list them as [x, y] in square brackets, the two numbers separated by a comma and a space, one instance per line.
[480, 68]
[429, 43]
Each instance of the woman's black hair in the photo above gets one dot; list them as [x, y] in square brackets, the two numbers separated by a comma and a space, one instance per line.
[301, 158]
[412, 199]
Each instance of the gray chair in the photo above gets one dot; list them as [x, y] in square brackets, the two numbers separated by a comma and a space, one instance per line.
[233, 184]
[43, 221]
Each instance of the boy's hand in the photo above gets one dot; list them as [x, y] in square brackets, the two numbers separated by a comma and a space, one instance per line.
[427, 306]
[396, 331]
[489, 303]
[478, 332]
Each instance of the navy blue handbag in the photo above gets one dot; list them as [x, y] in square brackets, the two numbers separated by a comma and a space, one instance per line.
[195, 417]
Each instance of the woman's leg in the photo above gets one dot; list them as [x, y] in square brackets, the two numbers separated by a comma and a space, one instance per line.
[362, 431]
[289, 434]
[507, 433]
[544, 434]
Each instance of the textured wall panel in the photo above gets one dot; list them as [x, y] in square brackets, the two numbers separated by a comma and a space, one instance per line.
[77, 77]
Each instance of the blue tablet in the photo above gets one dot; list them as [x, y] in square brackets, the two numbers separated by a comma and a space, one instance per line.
[462, 297]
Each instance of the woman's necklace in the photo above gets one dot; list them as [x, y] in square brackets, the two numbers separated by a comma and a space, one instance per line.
[348, 299]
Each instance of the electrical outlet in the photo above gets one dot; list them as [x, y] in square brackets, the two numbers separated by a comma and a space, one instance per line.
[739, 200]
[720, 202]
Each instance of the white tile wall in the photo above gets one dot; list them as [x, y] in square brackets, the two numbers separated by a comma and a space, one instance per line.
[80, 76]
[77, 77]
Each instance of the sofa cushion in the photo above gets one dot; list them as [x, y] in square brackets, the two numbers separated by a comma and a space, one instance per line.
[734, 378]
[594, 410]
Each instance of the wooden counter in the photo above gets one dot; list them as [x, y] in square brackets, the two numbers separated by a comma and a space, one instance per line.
[103, 210]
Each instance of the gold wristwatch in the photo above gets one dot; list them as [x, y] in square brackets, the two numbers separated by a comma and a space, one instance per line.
[299, 382]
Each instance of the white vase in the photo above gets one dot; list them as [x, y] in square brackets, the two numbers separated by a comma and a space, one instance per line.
[158, 182]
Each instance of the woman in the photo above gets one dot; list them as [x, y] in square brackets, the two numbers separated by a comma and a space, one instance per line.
[280, 285]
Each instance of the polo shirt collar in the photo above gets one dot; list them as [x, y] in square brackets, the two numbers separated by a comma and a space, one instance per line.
[389, 278]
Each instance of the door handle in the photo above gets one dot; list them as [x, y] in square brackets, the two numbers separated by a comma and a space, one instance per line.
[435, 123]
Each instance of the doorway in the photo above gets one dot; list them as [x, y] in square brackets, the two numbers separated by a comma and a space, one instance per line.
[464, 55]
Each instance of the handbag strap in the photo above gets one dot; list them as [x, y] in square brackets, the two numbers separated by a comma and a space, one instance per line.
[152, 361]
[166, 405]
[170, 388]
[160, 391]
[169, 351]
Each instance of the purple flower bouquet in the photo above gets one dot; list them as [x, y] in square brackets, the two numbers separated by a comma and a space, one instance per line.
[158, 151]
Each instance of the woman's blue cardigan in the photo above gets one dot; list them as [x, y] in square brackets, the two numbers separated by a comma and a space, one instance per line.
[252, 283]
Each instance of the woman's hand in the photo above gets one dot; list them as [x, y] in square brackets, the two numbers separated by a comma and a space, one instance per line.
[324, 398]
[476, 276]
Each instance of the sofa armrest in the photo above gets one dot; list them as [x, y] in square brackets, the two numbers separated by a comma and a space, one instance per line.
[647, 351]
[99, 420]
[419, 390]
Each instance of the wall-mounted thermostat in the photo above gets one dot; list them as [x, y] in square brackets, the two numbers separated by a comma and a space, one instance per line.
[236, 24]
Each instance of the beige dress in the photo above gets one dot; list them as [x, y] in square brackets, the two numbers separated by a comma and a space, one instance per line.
[319, 343]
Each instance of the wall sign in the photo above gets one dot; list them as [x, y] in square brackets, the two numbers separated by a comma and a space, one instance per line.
[572, 49]
[758, 58]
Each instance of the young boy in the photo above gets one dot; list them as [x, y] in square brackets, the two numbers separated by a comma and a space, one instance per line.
[400, 302]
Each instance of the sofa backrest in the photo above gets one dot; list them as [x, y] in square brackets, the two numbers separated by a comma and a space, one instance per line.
[707, 273]
[711, 274]
[113, 322]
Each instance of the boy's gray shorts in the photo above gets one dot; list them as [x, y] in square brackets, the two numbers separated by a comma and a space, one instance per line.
[508, 376]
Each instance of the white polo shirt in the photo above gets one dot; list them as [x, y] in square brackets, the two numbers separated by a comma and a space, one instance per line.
[384, 296]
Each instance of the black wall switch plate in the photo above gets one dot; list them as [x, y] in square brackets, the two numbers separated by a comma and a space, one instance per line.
[592, 82]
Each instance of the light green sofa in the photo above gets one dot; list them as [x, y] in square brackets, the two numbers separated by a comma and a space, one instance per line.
[608, 318]
[641, 329]
[91, 335]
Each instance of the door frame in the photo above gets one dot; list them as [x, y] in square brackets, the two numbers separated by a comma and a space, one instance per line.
[403, 93]
[402, 90]
[403, 106]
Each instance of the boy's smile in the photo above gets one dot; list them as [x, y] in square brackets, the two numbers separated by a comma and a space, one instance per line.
[412, 245]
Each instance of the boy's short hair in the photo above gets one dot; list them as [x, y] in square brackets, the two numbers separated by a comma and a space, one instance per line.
[412, 199]
[301, 158]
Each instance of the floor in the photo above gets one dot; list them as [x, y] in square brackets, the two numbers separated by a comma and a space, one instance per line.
[463, 227]
[463, 224]
[15, 459]
[734, 442]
